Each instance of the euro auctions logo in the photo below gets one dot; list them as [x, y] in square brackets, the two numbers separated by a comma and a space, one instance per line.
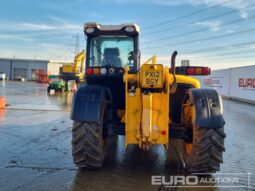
[214, 82]
[246, 83]
[231, 180]
[174, 180]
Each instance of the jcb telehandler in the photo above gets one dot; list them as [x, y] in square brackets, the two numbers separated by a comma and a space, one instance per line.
[149, 104]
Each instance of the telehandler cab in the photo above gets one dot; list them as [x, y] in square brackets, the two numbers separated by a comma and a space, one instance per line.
[149, 104]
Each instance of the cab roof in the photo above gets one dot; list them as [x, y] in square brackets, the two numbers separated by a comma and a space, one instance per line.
[111, 27]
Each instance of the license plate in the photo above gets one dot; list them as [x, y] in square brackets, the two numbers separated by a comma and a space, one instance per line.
[152, 79]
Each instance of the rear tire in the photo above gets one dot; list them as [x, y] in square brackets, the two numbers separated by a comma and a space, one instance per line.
[87, 145]
[203, 152]
[207, 150]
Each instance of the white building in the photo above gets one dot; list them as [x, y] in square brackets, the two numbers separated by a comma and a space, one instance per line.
[27, 68]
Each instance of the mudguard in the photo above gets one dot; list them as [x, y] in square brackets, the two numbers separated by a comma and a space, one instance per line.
[88, 103]
[208, 108]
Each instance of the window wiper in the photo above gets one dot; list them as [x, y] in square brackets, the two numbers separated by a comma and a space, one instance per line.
[109, 65]
[98, 50]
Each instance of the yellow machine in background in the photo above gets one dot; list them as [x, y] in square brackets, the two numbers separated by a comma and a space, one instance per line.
[75, 71]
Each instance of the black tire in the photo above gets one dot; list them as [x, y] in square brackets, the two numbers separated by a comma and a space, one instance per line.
[207, 150]
[87, 145]
[203, 152]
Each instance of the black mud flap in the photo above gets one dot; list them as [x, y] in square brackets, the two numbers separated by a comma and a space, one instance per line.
[208, 108]
[88, 103]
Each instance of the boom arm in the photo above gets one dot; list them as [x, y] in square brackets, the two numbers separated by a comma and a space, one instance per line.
[79, 62]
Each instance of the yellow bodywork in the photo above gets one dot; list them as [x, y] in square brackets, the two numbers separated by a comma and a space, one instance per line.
[78, 66]
[68, 68]
[147, 110]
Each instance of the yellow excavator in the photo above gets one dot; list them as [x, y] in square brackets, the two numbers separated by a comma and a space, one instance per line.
[76, 70]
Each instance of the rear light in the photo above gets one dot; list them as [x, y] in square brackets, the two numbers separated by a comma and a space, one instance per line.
[96, 71]
[191, 71]
[90, 30]
[129, 29]
[163, 132]
[89, 71]
[180, 70]
[111, 70]
[198, 71]
[103, 71]
[206, 71]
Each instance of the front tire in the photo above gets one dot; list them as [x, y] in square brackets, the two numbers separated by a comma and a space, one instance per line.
[87, 145]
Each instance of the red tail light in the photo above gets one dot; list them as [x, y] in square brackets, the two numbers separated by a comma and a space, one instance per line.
[191, 71]
[89, 71]
[206, 71]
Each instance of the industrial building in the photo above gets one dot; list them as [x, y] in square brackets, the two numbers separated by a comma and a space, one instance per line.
[26, 68]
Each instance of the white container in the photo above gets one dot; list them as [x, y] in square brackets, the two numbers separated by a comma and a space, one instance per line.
[235, 83]
[218, 80]
[71, 85]
[52, 92]
[23, 79]
[2, 76]
[242, 83]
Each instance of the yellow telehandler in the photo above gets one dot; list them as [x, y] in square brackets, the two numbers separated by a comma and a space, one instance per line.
[149, 104]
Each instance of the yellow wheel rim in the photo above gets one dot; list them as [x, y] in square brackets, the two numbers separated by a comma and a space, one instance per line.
[188, 148]
[187, 119]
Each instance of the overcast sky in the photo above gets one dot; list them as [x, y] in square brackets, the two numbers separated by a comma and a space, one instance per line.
[217, 33]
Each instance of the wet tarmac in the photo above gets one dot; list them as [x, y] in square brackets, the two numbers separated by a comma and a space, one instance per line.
[35, 148]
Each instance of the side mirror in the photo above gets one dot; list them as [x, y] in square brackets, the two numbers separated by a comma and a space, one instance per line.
[136, 57]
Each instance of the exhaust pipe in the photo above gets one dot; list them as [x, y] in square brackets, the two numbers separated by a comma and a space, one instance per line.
[173, 62]
[173, 86]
